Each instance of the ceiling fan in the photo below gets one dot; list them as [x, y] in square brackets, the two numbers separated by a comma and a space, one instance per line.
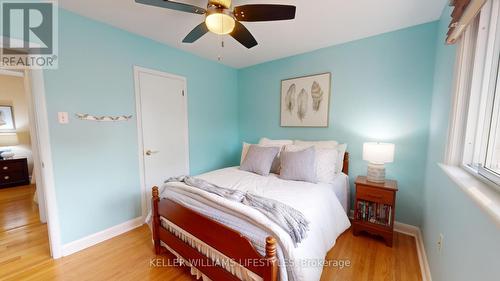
[221, 19]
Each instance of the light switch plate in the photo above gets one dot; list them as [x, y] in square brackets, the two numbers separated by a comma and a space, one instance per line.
[63, 117]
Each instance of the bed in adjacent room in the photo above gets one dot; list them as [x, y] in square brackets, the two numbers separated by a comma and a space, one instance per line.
[202, 228]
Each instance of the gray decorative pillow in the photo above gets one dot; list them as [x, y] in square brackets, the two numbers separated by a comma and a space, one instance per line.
[299, 165]
[259, 159]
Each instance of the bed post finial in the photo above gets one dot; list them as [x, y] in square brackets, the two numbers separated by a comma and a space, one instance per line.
[270, 247]
[156, 193]
[345, 167]
[272, 261]
[156, 219]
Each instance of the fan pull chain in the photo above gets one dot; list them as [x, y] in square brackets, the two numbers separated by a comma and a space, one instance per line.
[220, 57]
[222, 44]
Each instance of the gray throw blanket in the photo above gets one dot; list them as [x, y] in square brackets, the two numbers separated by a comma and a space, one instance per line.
[288, 218]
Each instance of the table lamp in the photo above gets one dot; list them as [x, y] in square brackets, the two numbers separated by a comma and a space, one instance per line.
[377, 154]
[8, 139]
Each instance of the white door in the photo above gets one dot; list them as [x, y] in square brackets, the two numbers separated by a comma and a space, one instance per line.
[162, 122]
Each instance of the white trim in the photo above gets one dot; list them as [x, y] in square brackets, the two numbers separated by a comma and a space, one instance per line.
[45, 160]
[140, 142]
[477, 105]
[101, 236]
[35, 149]
[460, 97]
[478, 190]
[11, 73]
[422, 255]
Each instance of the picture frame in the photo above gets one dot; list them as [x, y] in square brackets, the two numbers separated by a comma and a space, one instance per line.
[305, 101]
[7, 122]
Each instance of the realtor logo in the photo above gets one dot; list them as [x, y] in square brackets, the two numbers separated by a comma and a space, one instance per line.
[29, 34]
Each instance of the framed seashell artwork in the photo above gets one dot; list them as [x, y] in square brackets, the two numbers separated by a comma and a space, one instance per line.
[305, 101]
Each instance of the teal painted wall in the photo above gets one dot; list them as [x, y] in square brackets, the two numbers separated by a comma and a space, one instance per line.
[96, 164]
[472, 239]
[381, 90]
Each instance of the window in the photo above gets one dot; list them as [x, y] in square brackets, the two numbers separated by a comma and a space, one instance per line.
[476, 146]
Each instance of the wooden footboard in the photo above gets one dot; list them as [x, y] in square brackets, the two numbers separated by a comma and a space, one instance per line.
[225, 240]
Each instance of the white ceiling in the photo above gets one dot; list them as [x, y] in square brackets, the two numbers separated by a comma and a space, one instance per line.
[318, 24]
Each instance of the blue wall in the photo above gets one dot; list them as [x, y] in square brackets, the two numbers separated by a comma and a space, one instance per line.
[96, 164]
[381, 90]
[472, 239]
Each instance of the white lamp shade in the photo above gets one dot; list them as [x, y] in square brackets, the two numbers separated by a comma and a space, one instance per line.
[8, 139]
[378, 153]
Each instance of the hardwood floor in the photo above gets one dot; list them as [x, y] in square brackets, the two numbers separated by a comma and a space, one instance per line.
[17, 208]
[372, 260]
[24, 255]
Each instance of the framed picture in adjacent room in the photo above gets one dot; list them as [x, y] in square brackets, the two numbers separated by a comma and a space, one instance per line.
[7, 123]
[305, 101]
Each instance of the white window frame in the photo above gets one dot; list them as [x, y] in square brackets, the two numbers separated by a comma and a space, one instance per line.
[477, 57]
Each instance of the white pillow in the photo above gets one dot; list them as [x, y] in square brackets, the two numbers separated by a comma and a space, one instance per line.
[326, 162]
[317, 144]
[269, 142]
[341, 148]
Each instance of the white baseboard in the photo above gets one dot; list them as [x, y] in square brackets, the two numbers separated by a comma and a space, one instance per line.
[417, 234]
[422, 256]
[101, 236]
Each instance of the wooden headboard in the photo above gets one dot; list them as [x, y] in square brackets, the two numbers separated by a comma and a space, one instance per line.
[345, 167]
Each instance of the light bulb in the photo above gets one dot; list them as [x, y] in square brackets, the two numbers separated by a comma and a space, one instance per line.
[220, 23]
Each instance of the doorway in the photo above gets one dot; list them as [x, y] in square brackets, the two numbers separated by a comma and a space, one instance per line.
[23, 214]
[19, 200]
[162, 124]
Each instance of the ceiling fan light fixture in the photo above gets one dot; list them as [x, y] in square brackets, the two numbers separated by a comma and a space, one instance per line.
[222, 18]
[220, 23]
[224, 3]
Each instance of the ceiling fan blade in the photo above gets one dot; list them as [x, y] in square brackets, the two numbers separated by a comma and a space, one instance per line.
[242, 35]
[264, 12]
[173, 6]
[196, 33]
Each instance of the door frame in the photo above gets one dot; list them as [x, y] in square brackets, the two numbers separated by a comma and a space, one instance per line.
[42, 157]
[140, 139]
[35, 150]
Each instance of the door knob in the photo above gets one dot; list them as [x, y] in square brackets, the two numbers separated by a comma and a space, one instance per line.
[149, 152]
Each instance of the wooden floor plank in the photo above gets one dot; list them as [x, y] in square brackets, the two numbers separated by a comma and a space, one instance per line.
[24, 253]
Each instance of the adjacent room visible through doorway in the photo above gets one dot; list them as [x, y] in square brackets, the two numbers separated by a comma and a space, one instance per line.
[20, 218]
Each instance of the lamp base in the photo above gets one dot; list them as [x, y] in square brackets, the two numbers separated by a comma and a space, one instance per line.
[376, 173]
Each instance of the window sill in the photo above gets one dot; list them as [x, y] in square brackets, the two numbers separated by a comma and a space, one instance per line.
[484, 195]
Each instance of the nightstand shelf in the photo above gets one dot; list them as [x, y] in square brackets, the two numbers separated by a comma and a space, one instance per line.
[374, 208]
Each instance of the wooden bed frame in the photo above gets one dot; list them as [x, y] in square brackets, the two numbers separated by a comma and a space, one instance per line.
[220, 237]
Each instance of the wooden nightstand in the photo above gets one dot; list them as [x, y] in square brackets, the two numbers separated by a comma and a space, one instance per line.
[14, 172]
[374, 208]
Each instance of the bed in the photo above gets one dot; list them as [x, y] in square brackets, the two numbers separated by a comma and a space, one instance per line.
[242, 244]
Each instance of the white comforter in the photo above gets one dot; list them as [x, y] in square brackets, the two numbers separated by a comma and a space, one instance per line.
[317, 202]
